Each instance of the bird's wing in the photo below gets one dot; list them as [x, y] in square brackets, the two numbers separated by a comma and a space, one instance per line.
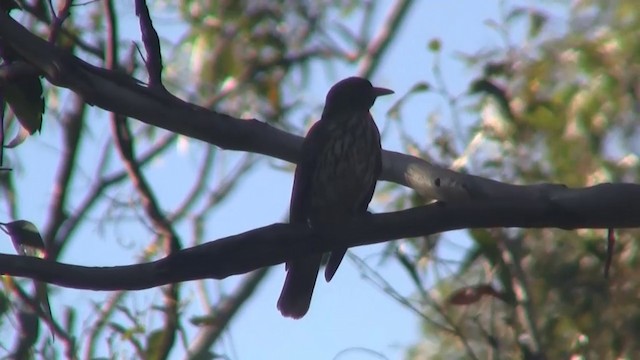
[365, 201]
[338, 254]
[303, 179]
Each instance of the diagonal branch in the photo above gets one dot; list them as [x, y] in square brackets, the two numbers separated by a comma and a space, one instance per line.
[218, 318]
[72, 135]
[122, 94]
[600, 206]
[383, 39]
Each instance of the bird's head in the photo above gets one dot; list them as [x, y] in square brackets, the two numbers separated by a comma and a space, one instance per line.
[353, 93]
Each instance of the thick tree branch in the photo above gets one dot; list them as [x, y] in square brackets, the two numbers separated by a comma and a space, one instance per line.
[119, 93]
[601, 206]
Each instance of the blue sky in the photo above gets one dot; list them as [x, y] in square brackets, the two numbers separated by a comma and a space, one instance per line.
[346, 315]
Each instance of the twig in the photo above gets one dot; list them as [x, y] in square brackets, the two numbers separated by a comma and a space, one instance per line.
[104, 313]
[524, 307]
[197, 189]
[124, 143]
[101, 185]
[73, 130]
[452, 328]
[151, 45]
[58, 19]
[219, 316]
[369, 63]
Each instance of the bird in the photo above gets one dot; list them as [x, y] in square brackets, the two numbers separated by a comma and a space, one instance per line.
[334, 181]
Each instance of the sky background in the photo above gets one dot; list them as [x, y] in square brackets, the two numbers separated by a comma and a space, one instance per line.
[348, 315]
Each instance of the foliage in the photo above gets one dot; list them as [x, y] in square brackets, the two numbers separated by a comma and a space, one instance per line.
[559, 106]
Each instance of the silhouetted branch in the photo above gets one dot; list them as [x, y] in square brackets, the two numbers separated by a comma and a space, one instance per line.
[600, 206]
[151, 45]
[119, 93]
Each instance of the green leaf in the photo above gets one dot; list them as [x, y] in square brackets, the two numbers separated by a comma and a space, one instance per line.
[24, 96]
[153, 344]
[70, 320]
[420, 87]
[537, 21]
[435, 45]
[5, 304]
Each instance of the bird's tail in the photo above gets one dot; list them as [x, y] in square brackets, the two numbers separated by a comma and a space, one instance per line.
[298, 286]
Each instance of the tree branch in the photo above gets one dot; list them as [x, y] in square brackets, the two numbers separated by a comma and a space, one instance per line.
[151, 43]
[122, 94]
[600, 206]
[219, 316]
[381, 42]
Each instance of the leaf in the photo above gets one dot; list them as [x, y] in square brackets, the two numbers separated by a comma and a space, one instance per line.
[24, 235]
[154, 340]
[537, 22]
[435, 45]
[487, 87]
[24, 96]
[20, 137]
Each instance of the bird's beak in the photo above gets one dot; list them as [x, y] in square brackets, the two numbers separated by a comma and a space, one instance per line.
[377, 91]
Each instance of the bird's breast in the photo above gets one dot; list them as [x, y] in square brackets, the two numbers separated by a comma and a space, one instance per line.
[347, 169]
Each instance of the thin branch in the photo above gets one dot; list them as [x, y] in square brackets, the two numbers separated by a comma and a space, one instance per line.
[58, 19]
[225, 186]
[373, 276]
[218, 318]
[72, 134]
[124, 143]
[34, 306]
[125, 146]
[452, 328]
[104, 313]
[197, 189]
[509, 251]
[91, 198]
[151, 45]
[39, 13]
[111, 54]
[390, 27]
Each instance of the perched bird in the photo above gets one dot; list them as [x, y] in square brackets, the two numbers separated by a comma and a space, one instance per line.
[334, 180]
